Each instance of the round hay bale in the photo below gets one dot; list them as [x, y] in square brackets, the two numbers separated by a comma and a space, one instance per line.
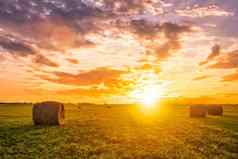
[198, 111]
[48, 113]
[215, 110]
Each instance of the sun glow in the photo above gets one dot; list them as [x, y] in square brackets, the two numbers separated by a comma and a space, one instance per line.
[148, 89]
[150, 96]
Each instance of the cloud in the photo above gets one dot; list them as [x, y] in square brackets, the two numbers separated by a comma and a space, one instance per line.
[172, 42]
[15, 46]
[221, 60]
[54, 25]
[201, 78]
[147, 26]
[215, 52]
[230, 77]
[226, 61]
[166, 50]
[90, 92]
[204, 11]
[2, 58]
[59, 25]
[150, 30]
[42, 60]
[31, 10]
[96, 76]
[147, 66]
[55, 35]
[144, 27]
[124, 5]
[172, 30]
[72, 61]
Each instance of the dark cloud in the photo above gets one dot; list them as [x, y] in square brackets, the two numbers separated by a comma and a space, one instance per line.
[172, 45]
[59, 25]
[15, 46]
[35, 10]
[18, 47]
[173, 30]
[147, 29]
[83, 15]
[69, 19]
[144, 27]
[215, 52]
[54, 25]
[46, 36]
[32, 10]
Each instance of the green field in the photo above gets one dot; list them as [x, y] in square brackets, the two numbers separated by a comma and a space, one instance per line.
[119, 132]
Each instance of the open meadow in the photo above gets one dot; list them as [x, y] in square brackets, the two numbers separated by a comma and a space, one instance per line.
[106, 132]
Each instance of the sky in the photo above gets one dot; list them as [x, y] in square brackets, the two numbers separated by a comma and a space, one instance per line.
[118, 51]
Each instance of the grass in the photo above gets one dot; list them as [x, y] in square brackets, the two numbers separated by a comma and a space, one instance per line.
[106, 132]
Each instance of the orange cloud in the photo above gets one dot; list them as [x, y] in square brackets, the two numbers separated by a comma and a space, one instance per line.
[226, 61]
[72, 61]
[93, 83]
[166, 50]
[221, 60]
[97, 76]
[91, 92]
[231, 77]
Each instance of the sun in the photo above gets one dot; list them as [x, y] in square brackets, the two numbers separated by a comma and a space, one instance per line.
[148, 90]
[150, 96]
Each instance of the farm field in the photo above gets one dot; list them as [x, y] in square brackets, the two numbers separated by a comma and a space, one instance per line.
[125, 132]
